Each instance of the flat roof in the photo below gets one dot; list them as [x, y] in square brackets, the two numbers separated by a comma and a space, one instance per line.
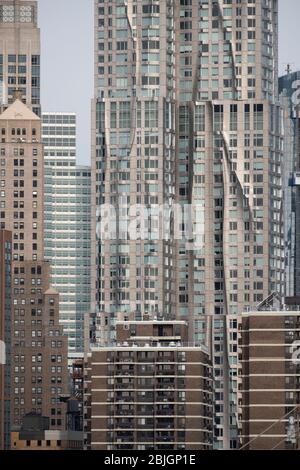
[265, 313]
[147, 322]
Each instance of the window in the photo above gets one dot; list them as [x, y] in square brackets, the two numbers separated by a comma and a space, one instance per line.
[200, 118]
[151, 114]
[122, 46]
[124, 114]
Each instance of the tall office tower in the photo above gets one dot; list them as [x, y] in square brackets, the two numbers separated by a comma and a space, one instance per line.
[38, 349]
[5, 335]
[186, 109]
[289, 86]
[19, 53]
[229, 162]
[151, 390]
[67, 225]
[270, 379]
[133, 156]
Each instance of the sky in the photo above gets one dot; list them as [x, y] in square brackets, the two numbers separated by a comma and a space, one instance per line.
[67, 57]
[67, 29]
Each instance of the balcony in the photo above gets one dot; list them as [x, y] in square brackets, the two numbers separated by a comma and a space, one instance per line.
[165, 383]
[126, 386]
[165, 396]
[164, 410]
[124, 424]
[119, 412]
[123, 371]
[165, 424]
[165, 436]
[124, 398]
[147, 398]
[124, 446]
[146, 360]
[145, 371]
[166, 371]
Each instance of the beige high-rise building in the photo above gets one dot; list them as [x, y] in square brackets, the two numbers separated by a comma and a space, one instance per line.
[186, 110]
[20, 52]
[39, 372]
[21, 187]
[38, 369]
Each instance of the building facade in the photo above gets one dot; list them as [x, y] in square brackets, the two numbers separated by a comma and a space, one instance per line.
[20, 53]
[77, 383]
[35, 435]
[67, 225]
[5, 335]
[270, 368]
[289, 97]
[21, 194]
[39, 374]
[152, 390]
[186, 111]
[133, 158]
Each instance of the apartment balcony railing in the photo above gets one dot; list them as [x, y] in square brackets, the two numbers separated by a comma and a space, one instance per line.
[123, 413]
[155, 344]
[165, 413]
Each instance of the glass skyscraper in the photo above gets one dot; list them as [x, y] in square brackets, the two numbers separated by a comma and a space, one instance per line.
[289, 96]
[67, 225]
[186, 112]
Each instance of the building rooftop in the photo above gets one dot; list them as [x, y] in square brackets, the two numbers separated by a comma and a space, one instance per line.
[51, 291]
[18, 110]
[170, 346]
[151, 320]
[273, 311]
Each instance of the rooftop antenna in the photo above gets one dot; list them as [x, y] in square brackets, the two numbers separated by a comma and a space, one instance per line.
[289, 67]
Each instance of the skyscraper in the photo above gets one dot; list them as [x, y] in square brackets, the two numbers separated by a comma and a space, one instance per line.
[67, 225]
[21, 194]
[39, 374]
[133, 161]
[230, 141]
[186, 111]
[19, 53]
[289, 97]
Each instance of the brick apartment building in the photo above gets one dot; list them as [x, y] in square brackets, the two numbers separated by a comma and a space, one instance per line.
[269, 379]
[150, 390]
[39, 373]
